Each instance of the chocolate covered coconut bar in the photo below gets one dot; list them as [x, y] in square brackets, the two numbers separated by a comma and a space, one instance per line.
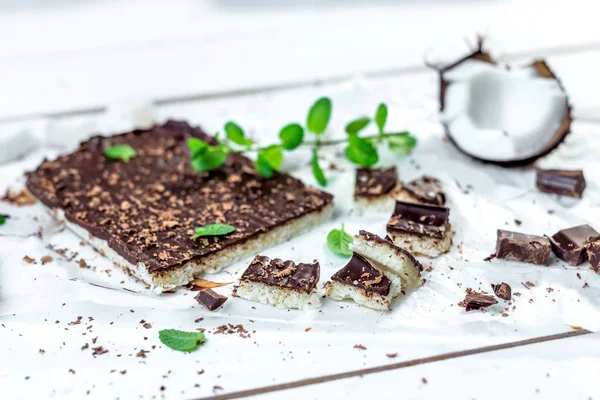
[141, 213]
[375, 188]
[283, 284]
[426, 190]
[420, 228]
[365, 284]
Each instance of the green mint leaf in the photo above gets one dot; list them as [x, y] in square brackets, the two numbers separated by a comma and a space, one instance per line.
[197, 146]
[273, 155]
[319, 115]
[339, 241]
[269, 160]
[180, 340]
[381, 117]
[291, 136]
[3, 218]
[357, 125]
[235, 133]
[263, 167]
[122, 152]
[209, 159]
[361, 151]
[402, 144]
[212, 230]
[316, 169]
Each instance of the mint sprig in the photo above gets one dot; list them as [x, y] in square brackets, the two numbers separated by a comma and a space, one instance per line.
[360, 150]
[3, 218]
[181, 340]
[123, 152]
[339, 242]
[212, 230]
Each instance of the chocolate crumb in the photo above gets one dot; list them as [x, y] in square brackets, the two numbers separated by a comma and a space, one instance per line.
[142, 353]
[99, 351]
[424, 380]
[477, 301]
[490, 257]
[502, 290]
[360, 347]
[46, 259]
[28, 259]
[72, 371]
[392, 355]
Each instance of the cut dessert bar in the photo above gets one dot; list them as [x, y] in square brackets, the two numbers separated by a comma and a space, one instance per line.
[141, 213]
[375, 188]
[386, 256]
[427, 190]
[283, 284]
[421, 228]
[366, 285]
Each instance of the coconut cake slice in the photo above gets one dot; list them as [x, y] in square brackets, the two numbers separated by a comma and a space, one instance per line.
[386, 256]
[420, 228]
[141, 214]
[375, 189]
[283, 284]
[365, 284]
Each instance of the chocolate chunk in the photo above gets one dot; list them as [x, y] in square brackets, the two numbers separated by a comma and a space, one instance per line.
[502, 290]
[286, 274]
[569, 244]
[146, 208]
[593, 252]
[477, 301]
[426, 189]
[517, 246]
[361, 274]
[210, 299]
[419, 219]
[567, 183]
[372, 182]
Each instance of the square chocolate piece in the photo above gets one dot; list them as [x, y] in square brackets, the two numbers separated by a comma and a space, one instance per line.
[420, 228]
[210, 299]
[427, 190]
[562, 182]
[283, 284]
[515, 246]
[593, 252]
[374, 188]
[570, 244]
[141, 213]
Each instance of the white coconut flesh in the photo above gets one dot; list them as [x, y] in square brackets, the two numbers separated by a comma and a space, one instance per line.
[500, 115]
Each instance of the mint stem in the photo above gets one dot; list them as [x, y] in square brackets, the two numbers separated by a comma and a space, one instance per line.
[322, 143]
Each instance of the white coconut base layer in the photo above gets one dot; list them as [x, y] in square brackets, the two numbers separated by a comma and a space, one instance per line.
[167, 280]
[423, 245]
[377, 204]
[385, 258]
[341, 291]
[276, 296]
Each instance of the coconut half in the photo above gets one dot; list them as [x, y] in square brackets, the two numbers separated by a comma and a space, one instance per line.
[502, 115]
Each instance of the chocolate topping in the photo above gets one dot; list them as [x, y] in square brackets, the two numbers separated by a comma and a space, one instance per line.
[146, 208]
[361, 274]
[593, 252]
[569, 244]
[567, 183]
[210, 299]
[427, 189]
[419, 219]
[517, 246]
[276, 272]
[372, 182]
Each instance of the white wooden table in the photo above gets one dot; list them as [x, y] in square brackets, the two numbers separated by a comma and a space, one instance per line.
[69, 68]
